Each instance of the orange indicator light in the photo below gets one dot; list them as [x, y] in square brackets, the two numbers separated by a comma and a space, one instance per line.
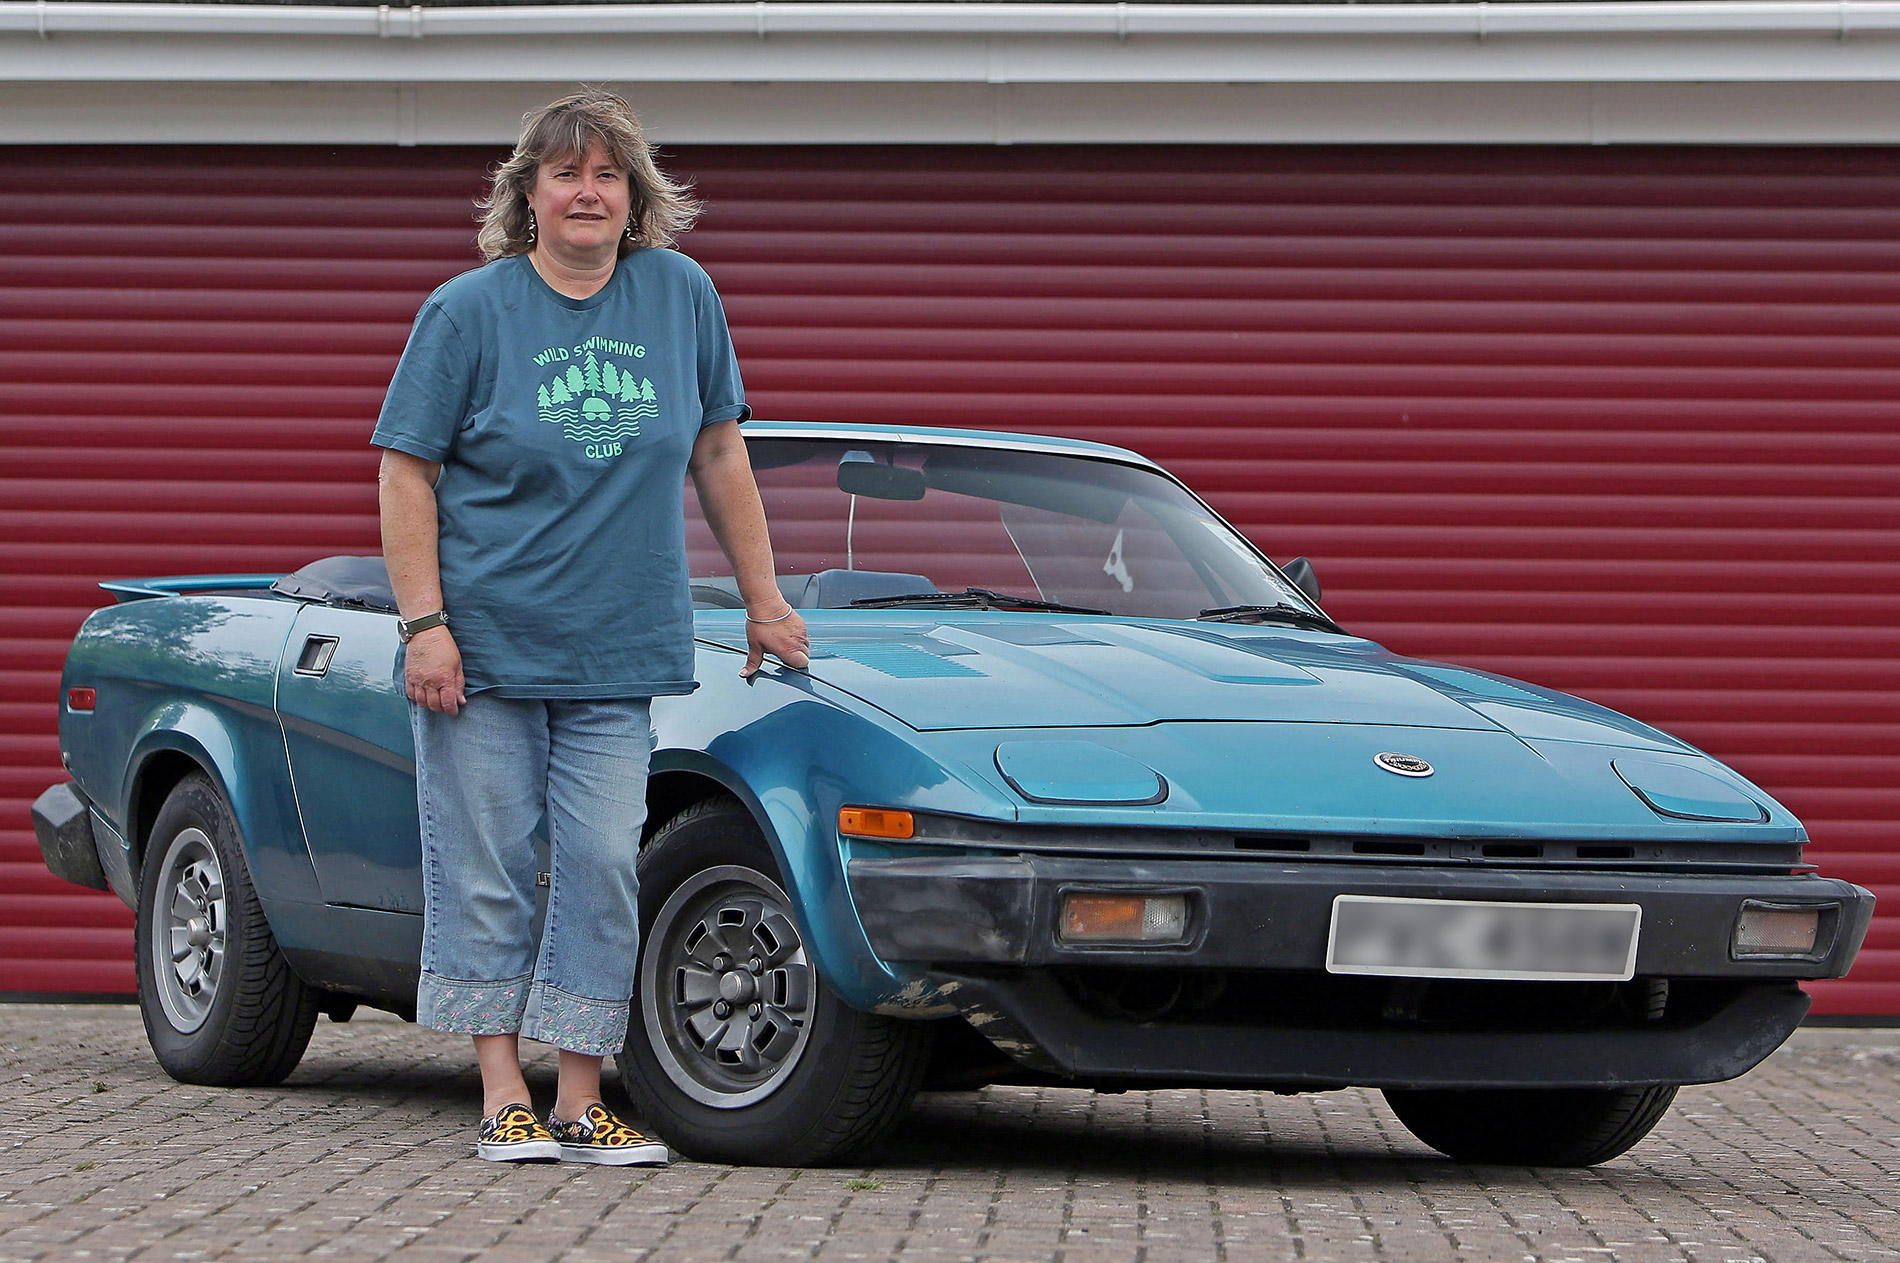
[1124, 918]
[1102, 916]
[875, 822]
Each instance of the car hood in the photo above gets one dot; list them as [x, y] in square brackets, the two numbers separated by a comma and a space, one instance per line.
[944, 671]
[1339, 778]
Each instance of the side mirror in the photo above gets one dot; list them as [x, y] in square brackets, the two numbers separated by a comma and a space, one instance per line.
[1300, 570]
[860, 475]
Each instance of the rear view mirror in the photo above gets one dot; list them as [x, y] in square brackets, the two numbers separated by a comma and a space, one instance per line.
[1300, 570]
[859, 475]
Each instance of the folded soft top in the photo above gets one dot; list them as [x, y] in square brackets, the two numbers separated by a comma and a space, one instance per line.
[359, 582]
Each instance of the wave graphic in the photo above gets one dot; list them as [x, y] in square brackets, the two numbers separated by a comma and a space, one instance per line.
[598, 433]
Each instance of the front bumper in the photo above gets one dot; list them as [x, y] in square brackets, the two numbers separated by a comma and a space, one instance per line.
[1250, 915]
[985, 930]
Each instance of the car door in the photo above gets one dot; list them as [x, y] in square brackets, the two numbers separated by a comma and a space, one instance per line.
[352, 759]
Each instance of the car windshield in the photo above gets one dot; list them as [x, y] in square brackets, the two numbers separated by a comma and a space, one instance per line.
[859, 521]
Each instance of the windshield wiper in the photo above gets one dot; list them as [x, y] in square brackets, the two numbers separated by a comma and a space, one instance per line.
[971, 598]
[1281, 613]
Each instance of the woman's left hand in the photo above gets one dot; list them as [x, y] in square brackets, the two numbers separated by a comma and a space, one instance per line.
[784, 638]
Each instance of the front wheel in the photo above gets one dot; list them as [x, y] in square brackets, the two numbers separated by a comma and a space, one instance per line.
[737, 1051]
[220, 1003]
[1540, 1127]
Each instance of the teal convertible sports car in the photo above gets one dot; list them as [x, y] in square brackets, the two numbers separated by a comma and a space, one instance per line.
[1079, 789]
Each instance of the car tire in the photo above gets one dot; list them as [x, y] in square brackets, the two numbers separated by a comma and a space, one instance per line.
[1541, 1127]
[220, 1003]
[785, 1074]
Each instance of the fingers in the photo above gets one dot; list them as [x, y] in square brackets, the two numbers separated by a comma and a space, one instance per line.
[754, 659]
[446, 693]
[432, 673]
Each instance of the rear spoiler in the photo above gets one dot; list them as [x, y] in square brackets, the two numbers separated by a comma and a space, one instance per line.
[124, 590]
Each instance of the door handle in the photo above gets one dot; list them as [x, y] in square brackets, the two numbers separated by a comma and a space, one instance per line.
[316, 655]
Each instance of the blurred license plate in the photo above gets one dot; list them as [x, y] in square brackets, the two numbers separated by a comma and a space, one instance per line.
[1450, 938]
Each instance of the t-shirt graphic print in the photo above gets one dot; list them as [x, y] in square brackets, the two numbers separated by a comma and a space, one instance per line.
[563, 427]
[597, 401]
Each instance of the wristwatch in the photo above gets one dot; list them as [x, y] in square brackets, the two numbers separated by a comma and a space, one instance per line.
[407, 630]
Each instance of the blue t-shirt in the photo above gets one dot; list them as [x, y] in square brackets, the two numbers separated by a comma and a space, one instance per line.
[563, 426]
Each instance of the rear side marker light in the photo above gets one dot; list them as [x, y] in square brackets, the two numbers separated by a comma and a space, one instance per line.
[81, 699]
[1766, 929]
[1124, 918]
[875, 822]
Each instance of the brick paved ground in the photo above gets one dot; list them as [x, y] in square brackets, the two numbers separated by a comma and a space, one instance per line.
[366, 1154]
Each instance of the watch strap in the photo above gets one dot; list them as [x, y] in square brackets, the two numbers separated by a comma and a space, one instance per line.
[407, 628]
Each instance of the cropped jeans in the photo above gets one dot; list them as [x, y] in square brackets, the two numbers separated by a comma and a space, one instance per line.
[484, 779]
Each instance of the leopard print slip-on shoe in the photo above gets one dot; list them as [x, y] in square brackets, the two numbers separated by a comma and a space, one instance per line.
[597, 1136]
[514, 1134]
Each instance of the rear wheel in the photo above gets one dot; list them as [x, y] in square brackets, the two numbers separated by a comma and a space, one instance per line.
[220, 1003]
[737, 1051]
[1540, 1127]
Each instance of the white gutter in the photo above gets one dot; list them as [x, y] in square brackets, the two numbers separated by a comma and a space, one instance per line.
[1668, 71]
[764, 18]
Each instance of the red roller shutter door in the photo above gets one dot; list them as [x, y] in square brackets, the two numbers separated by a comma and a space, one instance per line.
[1621, 421]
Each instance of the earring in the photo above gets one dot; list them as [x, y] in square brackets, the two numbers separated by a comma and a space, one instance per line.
[631, 234]
[531, 227]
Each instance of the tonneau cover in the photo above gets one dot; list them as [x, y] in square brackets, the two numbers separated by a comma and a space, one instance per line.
[358, 582]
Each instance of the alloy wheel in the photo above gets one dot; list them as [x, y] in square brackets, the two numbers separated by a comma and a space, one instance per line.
[726, 988]
[188, 932]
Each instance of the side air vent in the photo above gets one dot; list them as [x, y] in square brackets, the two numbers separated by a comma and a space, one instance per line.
[1381, 847]
[1606, 852]
[1512, 850]
[1267, 842]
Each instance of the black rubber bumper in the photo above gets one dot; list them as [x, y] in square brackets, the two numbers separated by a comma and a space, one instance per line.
[1251, 915]
[62, 822]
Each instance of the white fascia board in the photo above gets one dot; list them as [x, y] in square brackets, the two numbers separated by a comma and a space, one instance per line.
[769, 17]
[974, 113]
[1679, 41]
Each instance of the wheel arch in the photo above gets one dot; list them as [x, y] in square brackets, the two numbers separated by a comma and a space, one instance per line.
[252, 776]
[162, 758]
[681, 778]
[811, 871]
[155, 777]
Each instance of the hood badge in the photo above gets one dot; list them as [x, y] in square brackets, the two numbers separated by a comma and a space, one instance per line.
[1403, 764]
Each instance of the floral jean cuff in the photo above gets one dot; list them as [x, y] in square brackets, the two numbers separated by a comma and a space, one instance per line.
[457, 1006]
[596, 1028]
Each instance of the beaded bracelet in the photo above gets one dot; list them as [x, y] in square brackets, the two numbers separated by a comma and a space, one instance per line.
[781, 618]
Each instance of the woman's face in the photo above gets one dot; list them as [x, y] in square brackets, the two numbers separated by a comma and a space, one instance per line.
[580, 204]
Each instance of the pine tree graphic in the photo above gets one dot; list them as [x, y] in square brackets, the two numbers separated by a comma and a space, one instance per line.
[581, 399]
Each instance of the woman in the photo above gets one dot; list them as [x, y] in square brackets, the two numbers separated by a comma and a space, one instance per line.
[536, 439]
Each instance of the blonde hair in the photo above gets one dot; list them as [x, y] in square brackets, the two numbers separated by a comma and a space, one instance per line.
[562, 132]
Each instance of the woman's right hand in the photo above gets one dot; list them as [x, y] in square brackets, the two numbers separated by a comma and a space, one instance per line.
[432, 671]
